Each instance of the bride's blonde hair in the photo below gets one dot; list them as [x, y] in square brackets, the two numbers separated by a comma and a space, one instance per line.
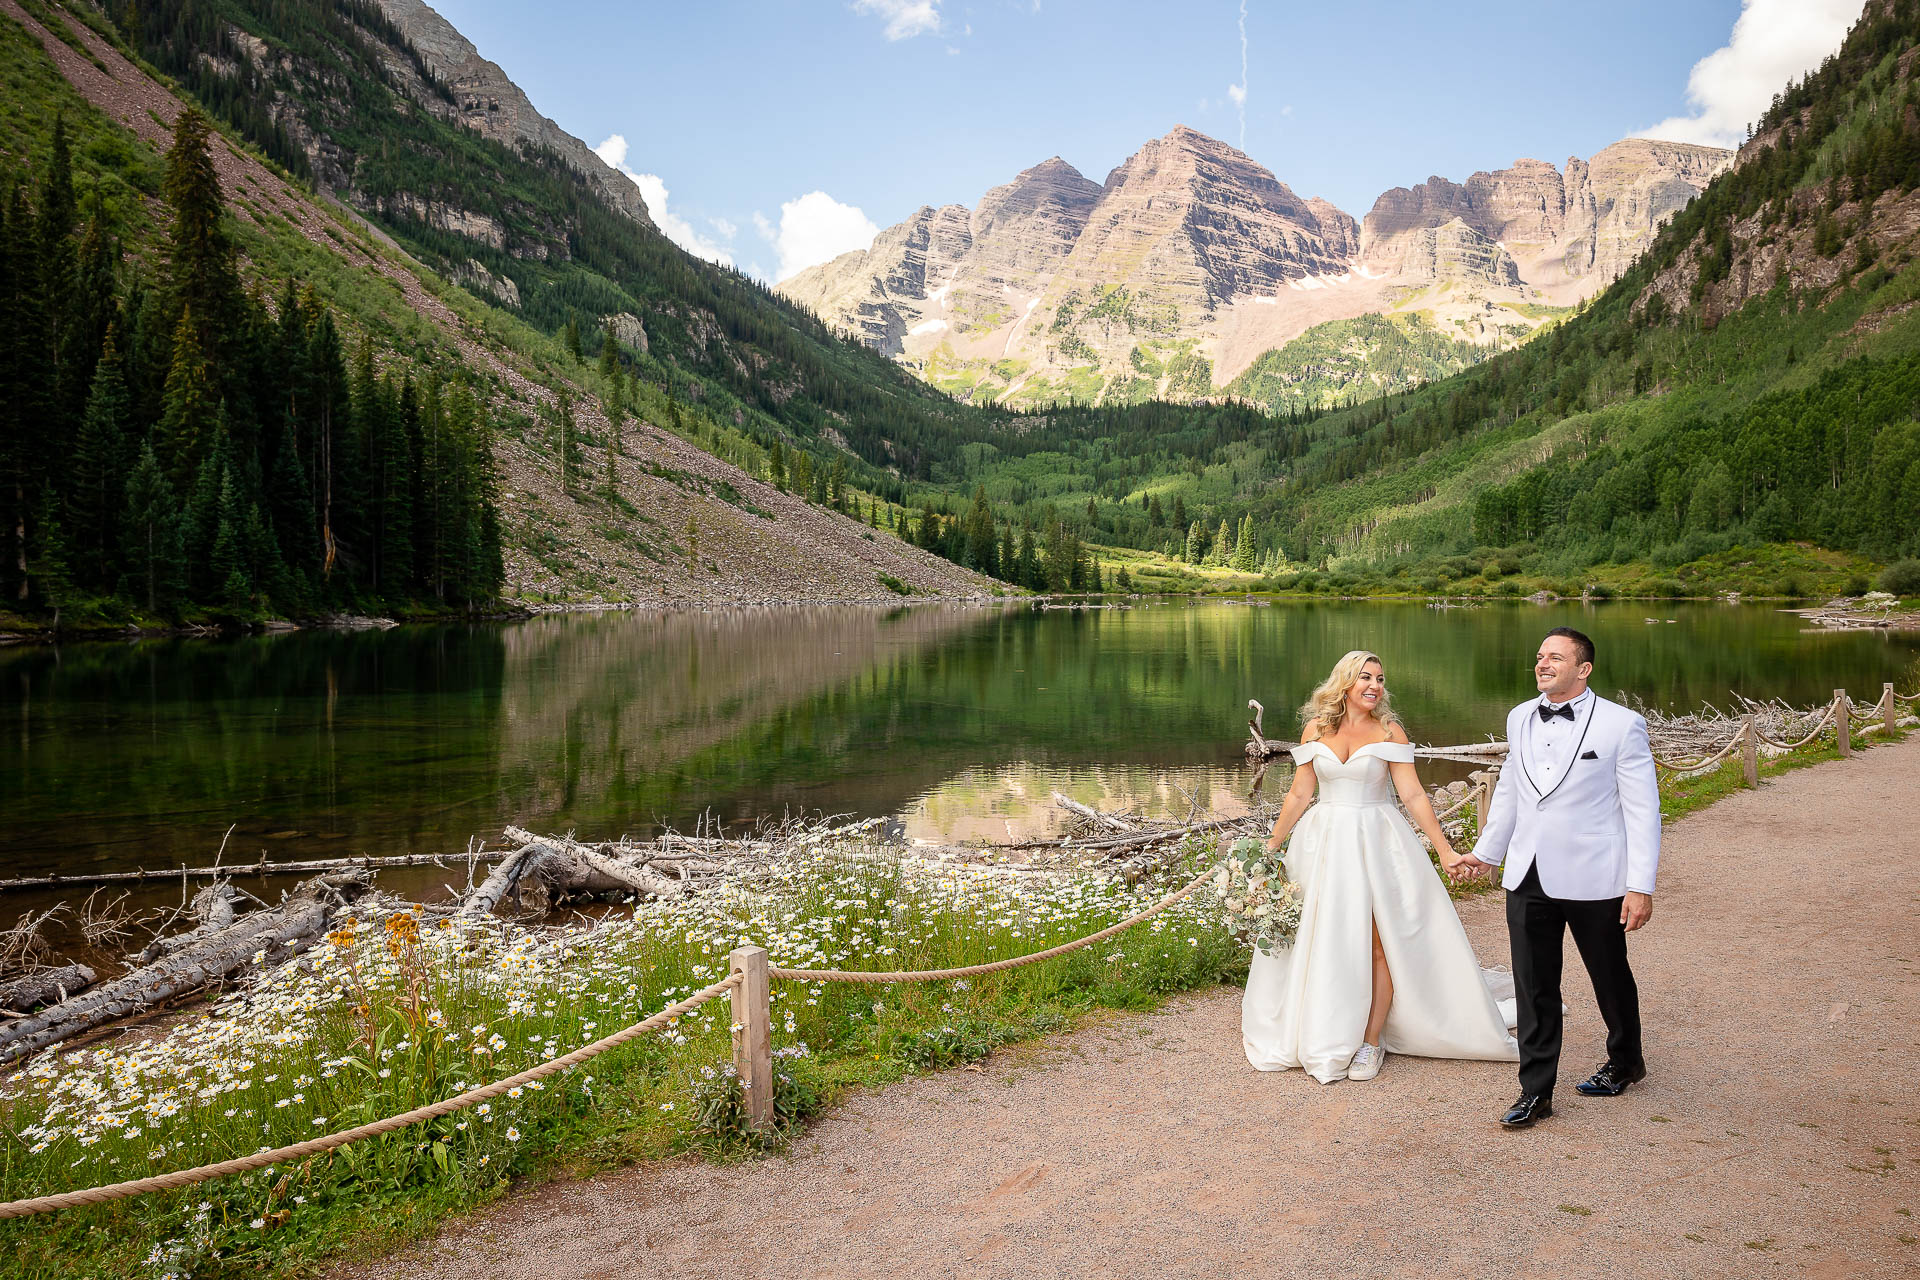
[1327, 705]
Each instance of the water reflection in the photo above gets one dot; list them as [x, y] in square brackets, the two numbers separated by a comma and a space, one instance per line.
[962, 720]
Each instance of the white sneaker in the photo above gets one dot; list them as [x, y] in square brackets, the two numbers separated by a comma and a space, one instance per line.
[1366, 1062]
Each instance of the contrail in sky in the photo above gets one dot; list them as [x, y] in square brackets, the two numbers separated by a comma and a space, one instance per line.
[1238, 92]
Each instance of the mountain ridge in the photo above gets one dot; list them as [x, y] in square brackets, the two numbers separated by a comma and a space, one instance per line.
[1220, 261]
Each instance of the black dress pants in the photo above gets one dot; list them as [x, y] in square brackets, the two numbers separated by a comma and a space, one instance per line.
[1536, 926]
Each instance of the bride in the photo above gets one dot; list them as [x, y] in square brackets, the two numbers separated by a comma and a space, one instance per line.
[1380, 961]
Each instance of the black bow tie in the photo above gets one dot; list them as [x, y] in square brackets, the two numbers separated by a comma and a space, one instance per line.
[1548, 713]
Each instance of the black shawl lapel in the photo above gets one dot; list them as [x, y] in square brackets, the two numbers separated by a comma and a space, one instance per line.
[1567, 772]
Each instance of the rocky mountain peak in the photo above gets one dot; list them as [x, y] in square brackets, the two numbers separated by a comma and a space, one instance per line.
[1192, 259]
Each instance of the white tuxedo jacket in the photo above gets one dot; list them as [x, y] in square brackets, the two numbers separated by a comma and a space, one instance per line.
[1594, 830]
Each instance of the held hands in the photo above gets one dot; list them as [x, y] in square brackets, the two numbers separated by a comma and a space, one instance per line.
[1460, 867]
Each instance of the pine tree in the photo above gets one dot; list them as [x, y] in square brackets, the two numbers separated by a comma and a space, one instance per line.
[99, 466]
[1242, 558]
[57, 213]
[48, 560]
[609, 360]
[980, 540]
[398, 472]
[802, 472]
[202, 273]
[570, 339]
[331, 436]
[1196, 542]
[1222, 544]
[151, 532]
[188, 405]
[24, 399]
[94, 308]
[777, 467]
[1058, 553]
[228, 556]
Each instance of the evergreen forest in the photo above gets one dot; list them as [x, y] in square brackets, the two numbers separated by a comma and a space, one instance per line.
[171, 440]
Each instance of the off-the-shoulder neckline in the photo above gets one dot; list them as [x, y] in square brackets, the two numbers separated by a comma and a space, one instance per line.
[1384, 742]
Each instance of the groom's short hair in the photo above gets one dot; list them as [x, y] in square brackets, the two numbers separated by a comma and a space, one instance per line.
[1582, 646]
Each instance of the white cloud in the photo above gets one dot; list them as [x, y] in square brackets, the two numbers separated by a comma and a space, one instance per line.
[813, 229]
[724, 228]
[654, 191]
[1772, 41]
[905, 19]
[1287, 110]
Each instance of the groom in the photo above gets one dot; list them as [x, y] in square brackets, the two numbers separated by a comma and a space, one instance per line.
[1576, 821]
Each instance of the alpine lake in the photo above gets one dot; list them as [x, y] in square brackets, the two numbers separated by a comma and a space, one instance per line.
[957, 720]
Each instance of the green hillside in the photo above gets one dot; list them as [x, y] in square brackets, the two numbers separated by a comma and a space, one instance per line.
[1676, 417]
[1355, 359]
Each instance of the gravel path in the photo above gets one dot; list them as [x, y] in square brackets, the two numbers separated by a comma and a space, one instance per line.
[1778, 1134]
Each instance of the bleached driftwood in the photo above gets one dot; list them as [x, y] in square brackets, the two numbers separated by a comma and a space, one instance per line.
[45, 987]
[303, 866]
[213, 907]
[278, 932]
[547, 868]
[1110, 821]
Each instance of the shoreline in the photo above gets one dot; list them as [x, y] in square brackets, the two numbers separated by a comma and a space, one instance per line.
[1834, 615]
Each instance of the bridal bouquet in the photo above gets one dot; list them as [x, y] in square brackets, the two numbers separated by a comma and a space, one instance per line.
[1262, 905]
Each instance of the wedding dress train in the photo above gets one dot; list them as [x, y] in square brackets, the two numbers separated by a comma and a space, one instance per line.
[1359, 864]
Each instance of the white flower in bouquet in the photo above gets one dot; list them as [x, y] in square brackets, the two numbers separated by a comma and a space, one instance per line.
[1262, 906]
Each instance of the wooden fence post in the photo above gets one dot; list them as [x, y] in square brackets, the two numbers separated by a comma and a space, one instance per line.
[1889, 710]
[1841, 736]
[1750, 753]
[1483, 801]
[753, 1032]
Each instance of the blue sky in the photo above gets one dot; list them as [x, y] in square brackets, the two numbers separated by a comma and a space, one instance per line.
[781, 133]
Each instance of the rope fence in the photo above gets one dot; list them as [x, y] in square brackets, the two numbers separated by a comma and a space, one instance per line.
[995, 966]
[317, 1146]
[748, 987]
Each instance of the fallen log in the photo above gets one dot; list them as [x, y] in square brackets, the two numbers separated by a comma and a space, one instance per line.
[213, 907]
[279, 932]
[603, 873]
[1094, 816]
[546, 868]
[307, 866]
[45, 987]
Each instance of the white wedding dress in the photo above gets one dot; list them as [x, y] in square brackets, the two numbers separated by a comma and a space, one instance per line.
[1357, 860]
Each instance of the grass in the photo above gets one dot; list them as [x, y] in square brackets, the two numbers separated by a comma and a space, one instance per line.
[396, 1010]
[1771, 571]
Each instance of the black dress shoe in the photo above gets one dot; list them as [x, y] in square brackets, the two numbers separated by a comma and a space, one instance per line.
[1530, 1107]
[1611, 1080]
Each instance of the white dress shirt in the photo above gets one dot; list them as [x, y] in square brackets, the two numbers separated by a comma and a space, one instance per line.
[1549, 741]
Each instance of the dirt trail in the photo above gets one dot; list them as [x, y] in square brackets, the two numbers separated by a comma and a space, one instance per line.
[1779, 1132]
